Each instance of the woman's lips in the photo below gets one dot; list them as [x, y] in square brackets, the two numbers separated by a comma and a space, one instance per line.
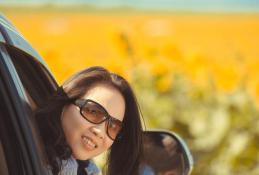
[89, 143]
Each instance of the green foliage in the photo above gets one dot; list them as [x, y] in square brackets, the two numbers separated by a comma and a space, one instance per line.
[222, 130]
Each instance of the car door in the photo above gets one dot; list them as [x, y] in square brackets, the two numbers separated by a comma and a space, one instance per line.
[25, 82]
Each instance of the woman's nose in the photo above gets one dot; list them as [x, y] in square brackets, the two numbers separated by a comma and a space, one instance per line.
[98, 130]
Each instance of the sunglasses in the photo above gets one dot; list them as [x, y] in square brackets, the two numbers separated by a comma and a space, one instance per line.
[95, 113]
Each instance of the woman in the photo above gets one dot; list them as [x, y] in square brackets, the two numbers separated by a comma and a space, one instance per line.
[92, 112]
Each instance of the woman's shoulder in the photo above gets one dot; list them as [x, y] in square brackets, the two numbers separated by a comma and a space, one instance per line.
[68, 167]
[92, 168]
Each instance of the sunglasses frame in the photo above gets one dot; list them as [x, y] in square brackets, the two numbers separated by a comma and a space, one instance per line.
[82, 102]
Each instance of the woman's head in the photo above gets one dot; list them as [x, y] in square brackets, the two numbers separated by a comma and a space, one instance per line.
[73, 132]
[88, 128]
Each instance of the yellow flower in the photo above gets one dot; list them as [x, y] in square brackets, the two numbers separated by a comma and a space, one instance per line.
[164, 83]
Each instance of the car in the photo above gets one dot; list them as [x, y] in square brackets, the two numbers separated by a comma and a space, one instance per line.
[25, 83]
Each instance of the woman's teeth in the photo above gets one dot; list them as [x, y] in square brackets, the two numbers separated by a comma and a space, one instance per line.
[89, 142]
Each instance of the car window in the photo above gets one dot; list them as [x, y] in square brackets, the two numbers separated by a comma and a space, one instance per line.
[11, 159]
[37, 83]
[3, 164]
[36, 79]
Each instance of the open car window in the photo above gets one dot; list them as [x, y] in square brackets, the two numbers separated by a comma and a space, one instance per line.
[36, 84]
[11, 159]
[36, 79]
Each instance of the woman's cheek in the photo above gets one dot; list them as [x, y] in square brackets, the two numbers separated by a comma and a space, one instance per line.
[71, 123]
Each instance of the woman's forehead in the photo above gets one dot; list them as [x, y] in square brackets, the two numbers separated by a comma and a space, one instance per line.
[109, 97]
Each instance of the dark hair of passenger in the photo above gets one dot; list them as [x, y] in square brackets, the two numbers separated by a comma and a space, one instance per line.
[125, 154]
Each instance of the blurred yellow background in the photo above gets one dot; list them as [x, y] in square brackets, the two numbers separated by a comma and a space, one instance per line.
[194, 73]
[201, 47]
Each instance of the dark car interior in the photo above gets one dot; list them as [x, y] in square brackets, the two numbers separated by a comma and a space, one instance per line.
[36, 85]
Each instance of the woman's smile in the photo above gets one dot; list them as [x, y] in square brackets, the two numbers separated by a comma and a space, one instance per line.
[88, 143]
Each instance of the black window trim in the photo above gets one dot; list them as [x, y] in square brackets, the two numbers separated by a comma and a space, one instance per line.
[19, 100]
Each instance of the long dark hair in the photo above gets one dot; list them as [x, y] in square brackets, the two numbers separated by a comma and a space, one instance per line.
[126, 151]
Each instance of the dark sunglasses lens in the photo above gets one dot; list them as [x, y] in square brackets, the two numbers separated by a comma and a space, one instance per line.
[93, 112]
[114, 127]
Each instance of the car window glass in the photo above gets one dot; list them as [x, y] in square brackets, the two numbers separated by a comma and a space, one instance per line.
[36, 79]
[11, 160]
[3, 165]
[38, 84]
[1, 38]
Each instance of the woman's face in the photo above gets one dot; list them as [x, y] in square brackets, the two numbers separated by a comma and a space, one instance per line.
[87, 139]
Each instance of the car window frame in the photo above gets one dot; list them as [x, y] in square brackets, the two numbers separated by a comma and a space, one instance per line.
[20, 120]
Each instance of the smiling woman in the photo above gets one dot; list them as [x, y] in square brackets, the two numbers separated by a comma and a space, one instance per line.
[94, 111]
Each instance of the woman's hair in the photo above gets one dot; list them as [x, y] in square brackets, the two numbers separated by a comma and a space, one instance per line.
[126, 151]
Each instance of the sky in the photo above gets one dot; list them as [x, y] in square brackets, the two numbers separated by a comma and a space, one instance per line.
[179, 5]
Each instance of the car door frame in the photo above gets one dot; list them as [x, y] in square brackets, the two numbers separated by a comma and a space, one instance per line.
[17, 99]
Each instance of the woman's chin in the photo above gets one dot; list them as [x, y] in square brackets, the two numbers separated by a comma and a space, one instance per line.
[82, 154]
[81, 157]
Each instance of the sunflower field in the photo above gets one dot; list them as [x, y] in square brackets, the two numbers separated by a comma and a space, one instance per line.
[194, 73]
